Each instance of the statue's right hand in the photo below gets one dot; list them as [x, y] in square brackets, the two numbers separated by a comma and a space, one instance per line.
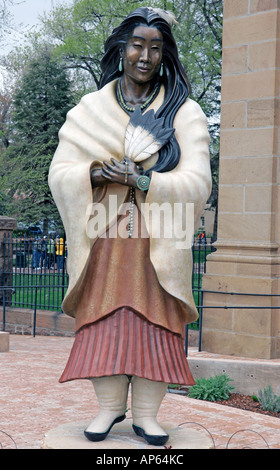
[97, 179]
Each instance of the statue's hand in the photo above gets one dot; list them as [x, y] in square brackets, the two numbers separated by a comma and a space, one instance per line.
[124, 172]
[97, 179]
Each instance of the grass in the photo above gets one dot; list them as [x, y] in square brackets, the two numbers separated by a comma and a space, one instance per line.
[49, 289]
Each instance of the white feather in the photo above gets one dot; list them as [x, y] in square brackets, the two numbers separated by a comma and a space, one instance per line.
[145, 136]
[139, 134]
[167, 15]
[147, 152]
[140, 143]
[141, 139]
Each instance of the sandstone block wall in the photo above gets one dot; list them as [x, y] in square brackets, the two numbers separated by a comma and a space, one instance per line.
[247, 257]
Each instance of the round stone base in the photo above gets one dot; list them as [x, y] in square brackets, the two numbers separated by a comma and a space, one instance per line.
[122, 436]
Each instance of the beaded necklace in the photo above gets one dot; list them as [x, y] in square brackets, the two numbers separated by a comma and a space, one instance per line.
[130, 109]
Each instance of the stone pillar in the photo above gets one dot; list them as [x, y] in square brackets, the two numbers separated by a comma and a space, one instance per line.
[7, 225]
[247, 257]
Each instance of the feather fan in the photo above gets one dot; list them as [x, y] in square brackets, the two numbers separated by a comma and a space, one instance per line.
[145, 135]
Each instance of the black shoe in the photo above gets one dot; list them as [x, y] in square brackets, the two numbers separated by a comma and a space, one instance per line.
[152, 440]
[100, 436]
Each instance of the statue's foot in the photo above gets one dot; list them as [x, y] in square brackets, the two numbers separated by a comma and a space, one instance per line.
[101, 435]
[147, 396]
[111, 393]
[152, 439]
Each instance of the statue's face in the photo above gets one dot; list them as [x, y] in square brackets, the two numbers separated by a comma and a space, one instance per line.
[143, 54]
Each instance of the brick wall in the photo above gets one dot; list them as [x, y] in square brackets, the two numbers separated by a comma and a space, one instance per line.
[21, 321]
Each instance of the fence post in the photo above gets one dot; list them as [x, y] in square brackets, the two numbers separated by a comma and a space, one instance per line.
[35, 312]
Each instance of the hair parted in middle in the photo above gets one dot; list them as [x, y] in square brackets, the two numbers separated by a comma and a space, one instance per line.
[174, 78]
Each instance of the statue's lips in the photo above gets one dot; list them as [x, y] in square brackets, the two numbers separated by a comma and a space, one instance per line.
[143, 69]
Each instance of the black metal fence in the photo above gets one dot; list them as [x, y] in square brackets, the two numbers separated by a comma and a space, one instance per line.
[36, 270]
[34, 273]
[201, 248]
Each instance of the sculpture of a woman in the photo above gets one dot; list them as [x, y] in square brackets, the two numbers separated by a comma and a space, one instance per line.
[141, 142]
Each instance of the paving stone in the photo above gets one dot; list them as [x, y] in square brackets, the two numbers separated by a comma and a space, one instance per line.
[33, 402]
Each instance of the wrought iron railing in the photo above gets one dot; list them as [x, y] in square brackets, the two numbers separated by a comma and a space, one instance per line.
[36, 270]
[34, 273]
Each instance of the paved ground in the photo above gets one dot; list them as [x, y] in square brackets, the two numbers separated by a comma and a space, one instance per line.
[32, 402]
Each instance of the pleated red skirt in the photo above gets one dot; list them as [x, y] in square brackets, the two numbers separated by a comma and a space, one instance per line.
[126, 343]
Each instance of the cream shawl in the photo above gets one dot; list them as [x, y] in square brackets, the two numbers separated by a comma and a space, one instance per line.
[94, 131]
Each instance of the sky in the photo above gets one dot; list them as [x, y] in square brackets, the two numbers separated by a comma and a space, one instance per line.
[27, 12]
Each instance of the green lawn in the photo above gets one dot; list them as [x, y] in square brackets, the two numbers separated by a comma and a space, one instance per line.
[49, 288]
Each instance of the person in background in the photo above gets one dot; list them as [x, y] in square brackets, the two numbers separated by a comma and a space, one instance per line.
[201, 238]
[59, 249]
[36, 255]
[44, 252]
[51, 253]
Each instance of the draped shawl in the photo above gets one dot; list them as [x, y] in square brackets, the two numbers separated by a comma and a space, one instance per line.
[94, 132]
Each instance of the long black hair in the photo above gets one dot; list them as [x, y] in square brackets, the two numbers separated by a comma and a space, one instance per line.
[174, 79]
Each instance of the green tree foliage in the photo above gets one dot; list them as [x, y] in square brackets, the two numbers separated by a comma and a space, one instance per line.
[5, 115]
[80, 30]
[41, 102]
[76, 34]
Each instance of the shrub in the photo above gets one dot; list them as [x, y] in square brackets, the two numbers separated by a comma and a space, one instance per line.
[212, 389]
[268, 400]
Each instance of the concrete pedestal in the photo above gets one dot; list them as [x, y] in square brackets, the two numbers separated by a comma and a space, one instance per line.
[4, 341]
[122, 436]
